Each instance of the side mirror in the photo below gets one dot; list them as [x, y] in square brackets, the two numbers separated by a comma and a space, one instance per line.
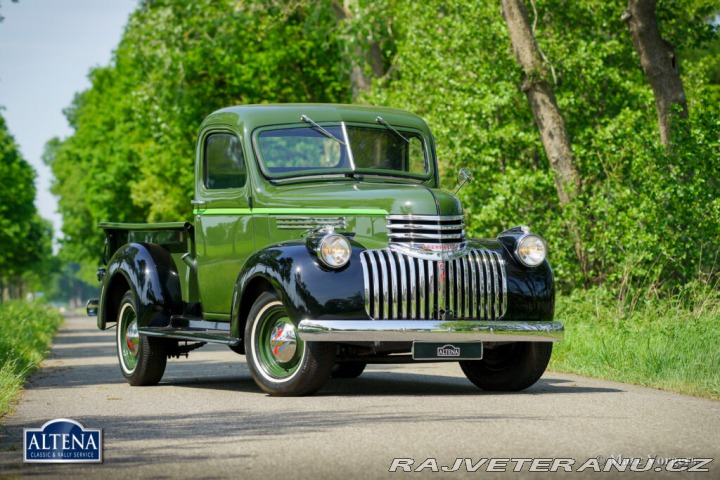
[463, 177]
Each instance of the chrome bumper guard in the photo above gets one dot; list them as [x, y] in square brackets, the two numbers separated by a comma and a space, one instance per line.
[429, 330]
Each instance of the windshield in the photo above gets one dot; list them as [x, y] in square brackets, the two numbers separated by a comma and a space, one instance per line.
[347, 150]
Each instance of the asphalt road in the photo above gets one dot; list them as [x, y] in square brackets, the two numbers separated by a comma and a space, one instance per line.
[207, 419]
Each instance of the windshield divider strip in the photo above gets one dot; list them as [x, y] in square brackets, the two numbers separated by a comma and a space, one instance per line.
[351, 159]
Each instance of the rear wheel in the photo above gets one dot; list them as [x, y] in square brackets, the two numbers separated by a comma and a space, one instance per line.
[511, 367]
[280, 362]
[142, 359]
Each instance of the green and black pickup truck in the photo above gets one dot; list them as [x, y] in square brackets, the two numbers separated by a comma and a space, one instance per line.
[320, 242]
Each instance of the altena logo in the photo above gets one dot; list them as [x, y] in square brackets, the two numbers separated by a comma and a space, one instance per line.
[62, 441]
[448, 351]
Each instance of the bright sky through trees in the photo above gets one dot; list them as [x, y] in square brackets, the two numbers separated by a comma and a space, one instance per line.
[47, 49]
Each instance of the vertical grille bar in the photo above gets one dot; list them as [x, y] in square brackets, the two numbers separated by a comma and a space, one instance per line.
[488, 286]
[483, 296]
[414, 285]
[496, 290]
[431, 276]
[450, 282]
[503, 282]
[422, 286]
[385, 286]
[394, 287]
[467, 288]
[366, 284]
[473, 293]
[441, 281]
[402, 311]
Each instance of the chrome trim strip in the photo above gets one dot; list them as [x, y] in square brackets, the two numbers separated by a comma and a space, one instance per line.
[422, 231]
[292, 222]
[432, 227]
[429, 330]
[351, 159]
[428, 218]
[397, 236]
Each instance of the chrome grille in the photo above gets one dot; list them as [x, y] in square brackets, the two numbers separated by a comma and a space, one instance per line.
[412, 229]
[398, 286]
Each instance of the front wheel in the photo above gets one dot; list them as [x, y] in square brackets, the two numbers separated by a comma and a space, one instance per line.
[142, 360]
[280, 362]
[511, 367]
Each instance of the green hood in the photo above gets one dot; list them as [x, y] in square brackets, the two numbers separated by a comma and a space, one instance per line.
[357, 197]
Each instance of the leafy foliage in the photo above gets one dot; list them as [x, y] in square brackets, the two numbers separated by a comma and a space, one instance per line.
[25, 237]
[131, 157]
[641, 206]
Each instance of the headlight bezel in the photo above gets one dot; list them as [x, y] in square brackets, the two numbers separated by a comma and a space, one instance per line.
[526, 259]
[340, 241]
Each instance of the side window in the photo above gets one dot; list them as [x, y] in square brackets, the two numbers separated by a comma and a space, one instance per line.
[224, 162]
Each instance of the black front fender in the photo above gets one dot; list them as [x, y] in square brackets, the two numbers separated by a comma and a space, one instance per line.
[307, 288]
[150, 273]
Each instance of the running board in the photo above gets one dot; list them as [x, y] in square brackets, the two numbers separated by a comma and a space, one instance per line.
[193, 329]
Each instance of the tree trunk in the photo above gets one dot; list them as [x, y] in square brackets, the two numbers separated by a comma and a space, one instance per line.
[658, 61]
[541, 96]
[546, 112]
[359, 81]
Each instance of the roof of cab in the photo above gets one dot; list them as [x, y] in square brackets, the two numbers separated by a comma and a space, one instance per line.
[250, 117]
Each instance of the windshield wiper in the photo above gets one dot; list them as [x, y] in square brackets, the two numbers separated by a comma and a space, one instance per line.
[309, 120]
[382, 122]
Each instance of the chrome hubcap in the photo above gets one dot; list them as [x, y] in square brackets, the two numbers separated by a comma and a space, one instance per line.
[283, 342]
[132, 338]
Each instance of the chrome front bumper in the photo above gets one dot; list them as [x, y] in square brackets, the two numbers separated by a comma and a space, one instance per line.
[429, 330]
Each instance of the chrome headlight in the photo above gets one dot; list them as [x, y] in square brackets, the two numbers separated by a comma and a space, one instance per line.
[334, 250]
[531, 250]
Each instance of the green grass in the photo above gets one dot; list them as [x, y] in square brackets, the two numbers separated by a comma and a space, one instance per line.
[671, 342]
[26, 330]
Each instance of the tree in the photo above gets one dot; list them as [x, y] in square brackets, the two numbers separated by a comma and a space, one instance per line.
[24, 236]
[454, 67]
[639, 205]
[368, 40]
[540, 94]
[179, 60]
[659, 62]
[548, 118]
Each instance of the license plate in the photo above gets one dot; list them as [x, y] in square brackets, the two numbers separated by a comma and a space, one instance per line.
[447, 351]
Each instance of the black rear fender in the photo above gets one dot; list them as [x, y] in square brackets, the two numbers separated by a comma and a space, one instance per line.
[150, 273]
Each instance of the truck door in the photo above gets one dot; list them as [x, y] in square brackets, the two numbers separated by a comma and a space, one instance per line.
[223, 223]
